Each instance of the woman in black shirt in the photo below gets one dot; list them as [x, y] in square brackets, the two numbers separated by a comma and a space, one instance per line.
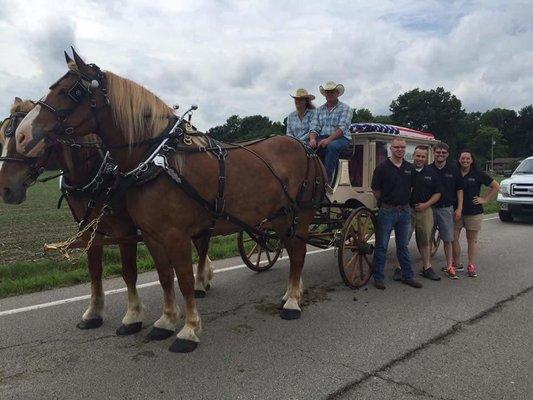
[472, 208]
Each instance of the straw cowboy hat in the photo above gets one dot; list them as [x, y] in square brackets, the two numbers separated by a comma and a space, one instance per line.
[302, 94]
[330, 85]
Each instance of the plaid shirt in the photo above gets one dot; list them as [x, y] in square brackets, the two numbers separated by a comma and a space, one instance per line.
[300, 128]
[326, 122]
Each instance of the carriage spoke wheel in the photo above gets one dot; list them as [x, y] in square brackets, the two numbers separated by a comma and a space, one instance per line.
[356, 246]
[255, 256]
[435, 243]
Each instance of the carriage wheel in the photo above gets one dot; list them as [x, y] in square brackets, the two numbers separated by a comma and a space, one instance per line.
[255, 256]
[436, 240]
[356, 247]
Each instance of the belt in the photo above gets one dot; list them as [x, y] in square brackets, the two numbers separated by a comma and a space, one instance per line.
[402, 207]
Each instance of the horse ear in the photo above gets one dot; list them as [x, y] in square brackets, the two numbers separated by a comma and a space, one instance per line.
[82, 67]
[67, 58]
[18, 100]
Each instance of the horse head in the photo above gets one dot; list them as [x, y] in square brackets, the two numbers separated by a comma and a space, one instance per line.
[70, 109]
[16, 171]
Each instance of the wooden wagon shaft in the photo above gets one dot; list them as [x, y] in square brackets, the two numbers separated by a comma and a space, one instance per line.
[107, 241]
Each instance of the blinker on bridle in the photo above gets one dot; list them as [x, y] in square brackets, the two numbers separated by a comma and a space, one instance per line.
[82, 88]
[35, 169]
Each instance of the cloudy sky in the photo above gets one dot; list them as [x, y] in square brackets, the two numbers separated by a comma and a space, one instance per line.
[245, 57]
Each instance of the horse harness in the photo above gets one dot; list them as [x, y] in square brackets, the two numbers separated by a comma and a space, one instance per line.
[174, 139]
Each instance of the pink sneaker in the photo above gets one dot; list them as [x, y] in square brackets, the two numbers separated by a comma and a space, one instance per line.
[471, 270]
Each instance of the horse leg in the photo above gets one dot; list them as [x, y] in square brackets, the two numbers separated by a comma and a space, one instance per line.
[204, 273]
[132, 321]
[179, 252]
[92, 317]
[166, 325]
[296, 250]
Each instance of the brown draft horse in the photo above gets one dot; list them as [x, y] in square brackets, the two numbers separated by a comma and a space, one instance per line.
[18, 172]
[125, 116]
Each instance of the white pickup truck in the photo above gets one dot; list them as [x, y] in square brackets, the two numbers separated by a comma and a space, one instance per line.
[516, 193]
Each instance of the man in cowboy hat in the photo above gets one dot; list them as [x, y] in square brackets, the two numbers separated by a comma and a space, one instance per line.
[299, 121]
[329, 129]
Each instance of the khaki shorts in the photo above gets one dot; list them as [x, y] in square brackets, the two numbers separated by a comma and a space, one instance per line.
[470, 222]
[422, 224]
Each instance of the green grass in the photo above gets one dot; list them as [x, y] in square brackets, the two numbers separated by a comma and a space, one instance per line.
[25, 228]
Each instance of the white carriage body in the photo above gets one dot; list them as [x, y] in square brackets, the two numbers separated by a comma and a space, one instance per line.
[369, 146]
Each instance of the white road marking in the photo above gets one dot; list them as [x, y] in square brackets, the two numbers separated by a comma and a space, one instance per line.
[143, 285]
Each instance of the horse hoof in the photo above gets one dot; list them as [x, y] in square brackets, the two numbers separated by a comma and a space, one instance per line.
[183, 346]
[158, 334]
[208, 286]
[90, 323]
[288, 314]
[199, 294]
[130, 329]
[280, 305]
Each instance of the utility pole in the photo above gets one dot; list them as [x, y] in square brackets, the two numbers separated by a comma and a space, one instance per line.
[492, 153]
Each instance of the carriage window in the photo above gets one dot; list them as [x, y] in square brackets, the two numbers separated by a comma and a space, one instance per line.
[381, 152]
[355, 166]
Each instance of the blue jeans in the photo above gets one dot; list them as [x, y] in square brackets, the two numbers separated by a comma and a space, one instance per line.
[400, 221]
[330, 155]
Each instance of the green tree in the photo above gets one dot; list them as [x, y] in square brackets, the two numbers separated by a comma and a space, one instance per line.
[247, 128]
[362, 115]
[383, 119]
[481, 144]
[436, 111]
[523, 146]
[506, 121]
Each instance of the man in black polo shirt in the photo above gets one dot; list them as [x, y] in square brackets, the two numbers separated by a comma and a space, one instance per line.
[426, 193]
[392, 182]
[450, 205]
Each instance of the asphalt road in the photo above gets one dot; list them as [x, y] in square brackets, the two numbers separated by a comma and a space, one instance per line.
[463, 339]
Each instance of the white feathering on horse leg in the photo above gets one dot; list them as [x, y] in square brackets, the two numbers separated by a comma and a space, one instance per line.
[135, 312]
[300, 291]
[96, 307]
[95, 310]
[188, 333]
[291, 304]
[168, 321]
[202, 280]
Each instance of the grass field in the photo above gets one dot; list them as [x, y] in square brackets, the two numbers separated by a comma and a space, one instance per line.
[25, 228]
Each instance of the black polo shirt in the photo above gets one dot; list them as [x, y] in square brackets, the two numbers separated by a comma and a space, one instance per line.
[452, 181]
[427, 183]
[472, 186]
[394, 183]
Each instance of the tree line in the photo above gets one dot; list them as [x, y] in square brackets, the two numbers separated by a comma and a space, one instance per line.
[436, 111]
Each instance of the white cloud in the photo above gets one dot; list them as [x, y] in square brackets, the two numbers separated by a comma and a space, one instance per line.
[245, 57]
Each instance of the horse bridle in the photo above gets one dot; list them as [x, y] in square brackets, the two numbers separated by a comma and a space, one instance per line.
[83, 87]
[36, 168]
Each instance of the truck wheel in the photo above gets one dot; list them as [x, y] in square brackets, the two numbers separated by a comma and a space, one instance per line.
[506, 216]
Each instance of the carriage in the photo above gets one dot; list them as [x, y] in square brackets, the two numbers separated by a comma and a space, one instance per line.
[347, 220]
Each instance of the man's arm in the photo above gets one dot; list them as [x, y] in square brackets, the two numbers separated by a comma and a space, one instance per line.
[376, 183]
[432, 200]
[459, 210]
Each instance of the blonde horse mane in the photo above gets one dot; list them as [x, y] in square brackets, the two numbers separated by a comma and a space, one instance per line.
[138, 113]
